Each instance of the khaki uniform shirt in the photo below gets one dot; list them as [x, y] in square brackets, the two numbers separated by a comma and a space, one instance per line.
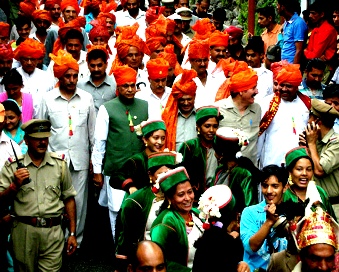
[328, 150]
[50, 185]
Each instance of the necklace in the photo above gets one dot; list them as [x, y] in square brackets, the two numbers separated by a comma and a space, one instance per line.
[190, 223]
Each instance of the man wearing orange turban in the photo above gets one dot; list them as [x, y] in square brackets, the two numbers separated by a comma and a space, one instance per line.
[218, 48]
[239, 109]
[26, 8]
[110, 24]
[156, 45]
[28, 53]
[6, 61]
[53, 6]
[174, 68]
[286, 115]
[157, 93]
[179, 114]
[72, 115]
[115, 138]
[42, 21]
[4, 33]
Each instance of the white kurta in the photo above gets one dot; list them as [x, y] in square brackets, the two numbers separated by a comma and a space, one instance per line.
[265, 83]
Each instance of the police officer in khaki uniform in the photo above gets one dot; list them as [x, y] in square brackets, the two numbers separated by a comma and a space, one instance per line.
[323, 144]
[41, 191]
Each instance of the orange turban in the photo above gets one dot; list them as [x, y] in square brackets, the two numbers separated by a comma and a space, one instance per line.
[49, 4]
[91, 4]
[203, 29]
[198, 49]
[157, 68]
[277, 66]
[218, 38]
[6, 51]
[70, 3]
[171, 58]
[42, 15]
[153, 13]
[91, 47]
[27, 7]
[225, 65]
[106, 8]
[235, 32]
[4, 29]
[99, 29]
[154, 43]
[29, 48]
[76, 23]
[63, 61]
[107, 15]
[123, 74]
[290, 74]
[243, 80]
[184, 86]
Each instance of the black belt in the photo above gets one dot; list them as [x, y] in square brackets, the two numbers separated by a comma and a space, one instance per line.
[334, 200]
[39, 222]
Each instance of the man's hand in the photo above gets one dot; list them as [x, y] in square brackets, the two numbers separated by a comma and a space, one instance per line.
[20, 175]
[71, 245]
[312, 133]
[271, 216]
[243, 267]
[302, 139]
[98, 180]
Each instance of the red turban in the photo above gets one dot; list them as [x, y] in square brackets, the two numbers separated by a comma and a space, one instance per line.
[218, 38]
[99, 29]
[70, 3]
[198, 49]
[277, 66]
[154, 43]
[171, 58]
[76, 23]
[49, 4]
[4, 29]
[157, 68]
[29, 48]
[243, 80]
[107, 15]
[235, 32]
[290, 74]
[184, 86]
[91, 4]
[42, 15]
[91, 47]
[106, 8]
[153, 13]
[6, 51]
[63, 61]
[203, 29]
[27, 7]
[123, 74]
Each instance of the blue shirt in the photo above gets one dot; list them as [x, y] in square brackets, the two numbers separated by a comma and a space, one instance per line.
[294, 30]
[252, 218]
[304, 89]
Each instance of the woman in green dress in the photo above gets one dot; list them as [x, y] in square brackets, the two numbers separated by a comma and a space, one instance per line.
[198, 153]
[301, 186]
[178, 226]
[133, 174]
[234, 170]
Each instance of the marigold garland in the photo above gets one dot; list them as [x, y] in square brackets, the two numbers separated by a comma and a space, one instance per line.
[269, 115]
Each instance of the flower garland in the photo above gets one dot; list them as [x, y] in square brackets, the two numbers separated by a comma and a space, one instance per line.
[208, 208]
[269, 115]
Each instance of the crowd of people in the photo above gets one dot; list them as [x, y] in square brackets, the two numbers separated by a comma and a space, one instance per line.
[209, 150]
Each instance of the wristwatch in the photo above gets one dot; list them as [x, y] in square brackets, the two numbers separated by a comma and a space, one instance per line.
[72, 234]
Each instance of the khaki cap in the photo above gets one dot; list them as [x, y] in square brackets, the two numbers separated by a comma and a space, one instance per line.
[37, 128]
[323, 110]
[185, 13]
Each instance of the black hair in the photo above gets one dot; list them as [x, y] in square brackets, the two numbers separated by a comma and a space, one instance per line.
[149, 134]
[96, 54]
[293, 163]
[219, 14]
[21, 21]
[204, 119]
[315, 63]
[12, 77]
[327, 120]
[73, 34]
[199, 1]
[317, 6]
[268, 11]
[12, 106]
[256, 44]
[290, 5]
[274, 170]
[332, 90]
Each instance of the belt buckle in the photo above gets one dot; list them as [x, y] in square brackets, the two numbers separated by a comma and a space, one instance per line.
[41, 222]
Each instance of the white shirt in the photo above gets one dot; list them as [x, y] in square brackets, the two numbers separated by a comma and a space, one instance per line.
[185, 39]
[280, 137]
[6, 150]
[124, 19]
[156, 105]
[265, 83]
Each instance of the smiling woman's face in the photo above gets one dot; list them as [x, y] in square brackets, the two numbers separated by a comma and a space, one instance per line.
[182, 200]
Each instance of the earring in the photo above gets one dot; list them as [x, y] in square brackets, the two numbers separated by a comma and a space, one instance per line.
[198, 132]
[169, 205]
[290, 181]
[146, 144]
[150, 180]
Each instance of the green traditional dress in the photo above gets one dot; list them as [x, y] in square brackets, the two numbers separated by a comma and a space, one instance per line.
[241, 183]
[290, 195]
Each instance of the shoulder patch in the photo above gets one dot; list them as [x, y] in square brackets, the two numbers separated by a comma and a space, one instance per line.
[56, 155]
[333, 138]
[10, 160]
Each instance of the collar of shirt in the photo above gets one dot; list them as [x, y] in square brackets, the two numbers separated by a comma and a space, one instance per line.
[192, 113]
[25, 74]
[228, 104]
[328, 137]
[140, 15]
[47, 160]
[261, 70]
[108, 81]
[164, 96]
[295, 16]
[82, 58]
[58, 94]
